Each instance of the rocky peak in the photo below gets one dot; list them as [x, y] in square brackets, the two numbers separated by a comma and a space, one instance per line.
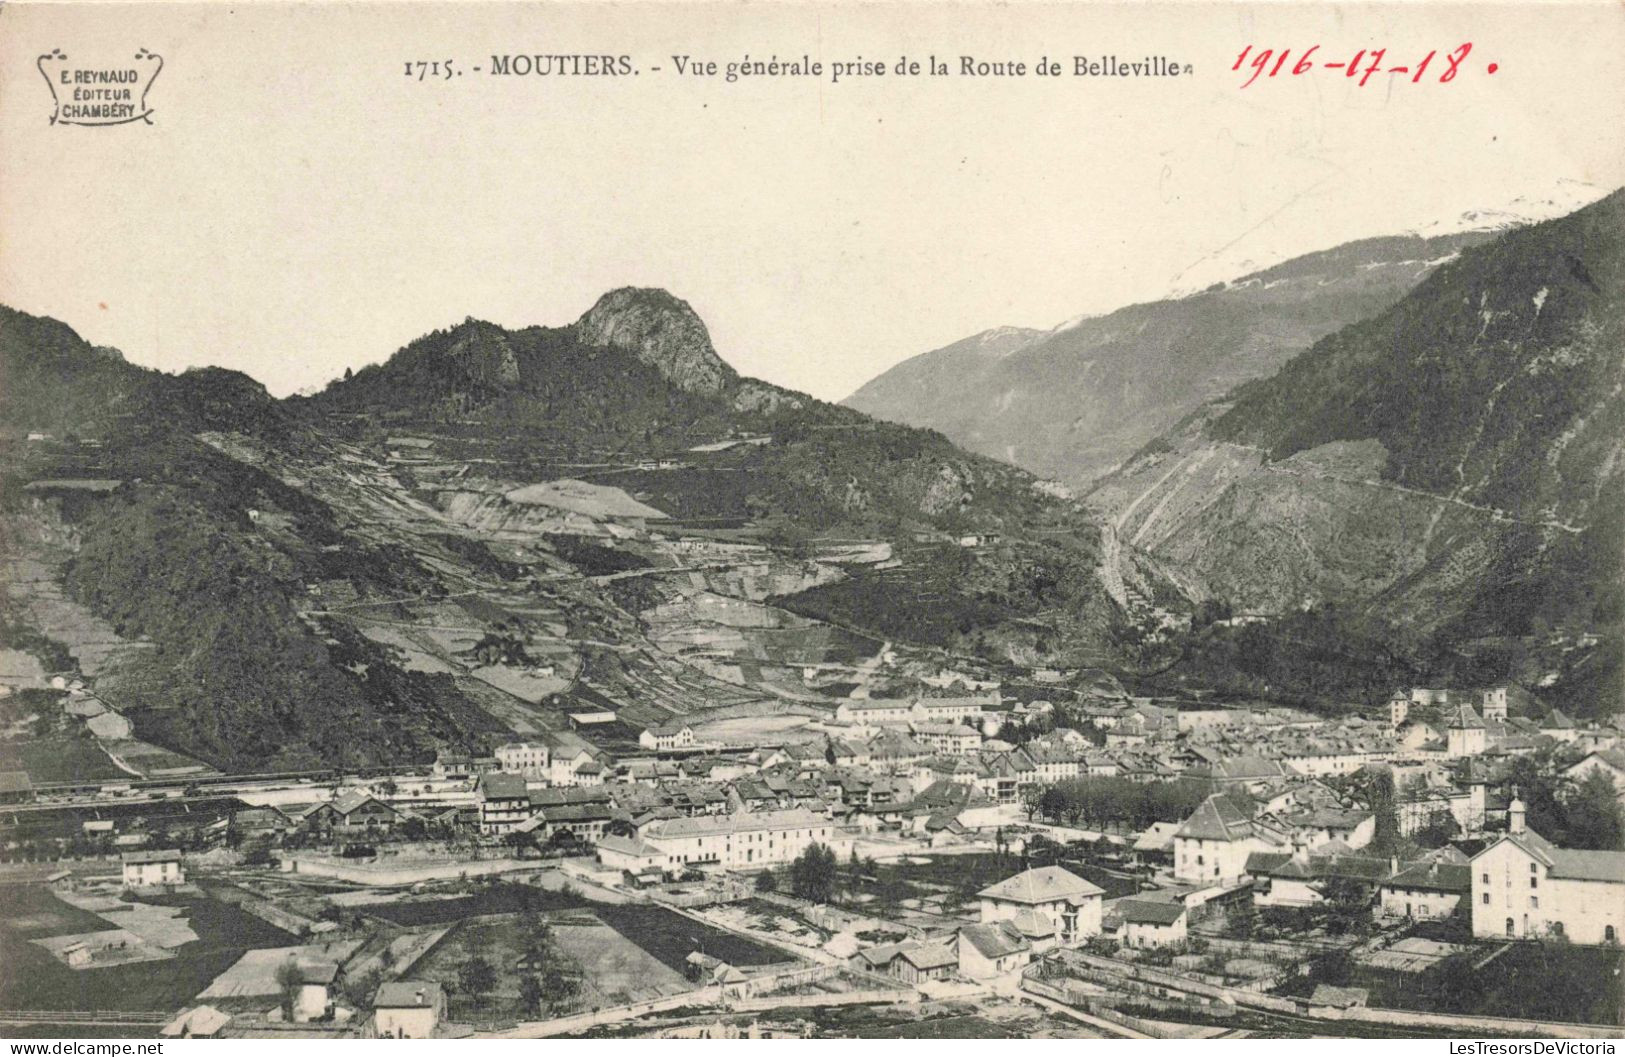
[483, 353]
[662, 331]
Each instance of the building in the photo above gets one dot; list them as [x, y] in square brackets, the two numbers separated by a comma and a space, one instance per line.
[1423, 890]
[1606, 761]
[1071, 904]
[952, 738]
[311, 1000]
[408, 1009]
[629, 854]
[991, 949]
[1312, 827]
[528, 758]
[15, 788]
[868, 713]
[587, 821]
[1155, 847]
[909, 962]
[1151, 922]
[1464, 733]
[762, 838]
[352, 812]
[1399, 707]
[953, 709]
[667, 736]
[1214, 842]
[153, 869]
[1523, 886]
[504, 802]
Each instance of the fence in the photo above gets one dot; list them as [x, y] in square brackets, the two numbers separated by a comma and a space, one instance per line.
[837, 998]
[1094, 1006]
[404, 873]
[82, 1016]
[1116, 974]
[541, 1029]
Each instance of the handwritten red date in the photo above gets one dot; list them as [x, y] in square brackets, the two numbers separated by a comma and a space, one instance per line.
[1363, 65]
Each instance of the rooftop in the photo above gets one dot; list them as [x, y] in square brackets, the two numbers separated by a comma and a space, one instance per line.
[1045, 884]
[407, 994]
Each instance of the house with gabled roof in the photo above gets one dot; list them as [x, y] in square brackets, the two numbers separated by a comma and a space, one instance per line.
[1151, 922]
[991, 949]
[1430, 888]
[1464, 732]
[1525, 887]
[1610, 762]
[504, 802]
[1071, 904]
[1214, 842]
[911, 961]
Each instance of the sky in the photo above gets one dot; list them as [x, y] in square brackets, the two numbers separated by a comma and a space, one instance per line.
[298, 205]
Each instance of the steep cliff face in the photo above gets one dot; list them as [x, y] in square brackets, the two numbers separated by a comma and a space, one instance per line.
[1457, 458]
[662, 331]
[1071, 404]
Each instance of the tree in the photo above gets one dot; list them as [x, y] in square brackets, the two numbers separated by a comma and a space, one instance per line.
[1102, 946]
[964, 893]
[1593, 814]
[1378, 791]
[1032, 798]
[1348, 906]
[1052, 803]
[766, 882]
[1439, 830]
[530, 994]
[288, 980]
[559, 988]
[812, 874]
[1242, 919]
[359, 990]
[477, 978]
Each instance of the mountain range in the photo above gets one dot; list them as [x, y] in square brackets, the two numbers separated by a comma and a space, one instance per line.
[1452, 460]
[1071, 403]
[1416, 441]
[495, 527]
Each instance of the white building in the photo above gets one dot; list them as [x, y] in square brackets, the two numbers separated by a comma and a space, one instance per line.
[1070, 904]
[1213, 844]
[991, 949]
[1526, 887]
[667, 736]
[746, 840]
[862, 712]
[527, 758]
[951, 738]
[408, 1009]
[1465, 733]
[311, 1000]
[153, 869]
[1151, 922]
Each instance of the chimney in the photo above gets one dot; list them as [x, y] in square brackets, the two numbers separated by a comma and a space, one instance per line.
[1515, 813]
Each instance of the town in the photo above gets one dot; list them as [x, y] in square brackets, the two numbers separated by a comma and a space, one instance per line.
[1088, 865]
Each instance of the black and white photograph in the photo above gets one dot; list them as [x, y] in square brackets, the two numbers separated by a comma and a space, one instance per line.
[623, 521]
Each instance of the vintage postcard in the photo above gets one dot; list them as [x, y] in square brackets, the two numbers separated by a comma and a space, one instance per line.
[816, 520]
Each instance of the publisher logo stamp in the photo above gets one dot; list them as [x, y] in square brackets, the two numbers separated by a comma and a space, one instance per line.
[104, 93]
